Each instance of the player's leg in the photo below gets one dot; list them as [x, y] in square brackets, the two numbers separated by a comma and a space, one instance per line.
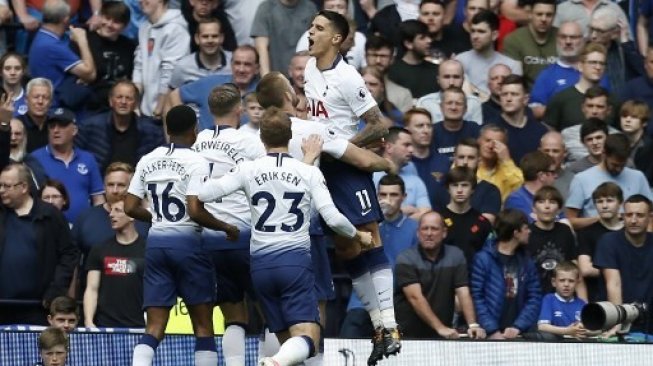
[159, 295]
[157, 319]
[233, 280]
[195, 280]
[324, 289]
[233, 339]
[300, 347]
[201, 316]
[296, 303]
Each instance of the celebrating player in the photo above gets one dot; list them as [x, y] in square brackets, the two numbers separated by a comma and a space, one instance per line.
[281, 190]
[175, 263]
[337, 97]
[224, 147]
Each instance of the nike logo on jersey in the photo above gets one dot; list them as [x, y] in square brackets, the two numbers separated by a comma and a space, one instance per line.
[365, 212]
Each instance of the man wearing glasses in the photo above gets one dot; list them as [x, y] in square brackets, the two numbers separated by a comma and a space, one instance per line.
[624, 62]
[379, 53]
[562, 110]
[37, 255]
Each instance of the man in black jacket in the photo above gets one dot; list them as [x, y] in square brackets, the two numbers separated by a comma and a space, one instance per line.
[37, 255]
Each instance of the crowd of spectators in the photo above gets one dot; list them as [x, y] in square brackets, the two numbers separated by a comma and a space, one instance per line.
[519, 129]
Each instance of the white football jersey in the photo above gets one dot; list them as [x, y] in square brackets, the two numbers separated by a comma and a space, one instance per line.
[225, 147]
[280, 190]
[337, 97]
[301, 129]
[166, 176]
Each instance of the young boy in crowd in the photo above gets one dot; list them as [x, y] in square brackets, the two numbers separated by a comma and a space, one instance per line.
[254, 111]
[551, 242]
[633, 119]
[53, 346]
[63, 313]
[607, 198]
[560, 312]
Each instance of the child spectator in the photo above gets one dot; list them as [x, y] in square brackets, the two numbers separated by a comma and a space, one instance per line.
[633, 121]
[53, 346]
[607, 198]
[551, 242]
[254, 111]
[63, 314]
[560, 313]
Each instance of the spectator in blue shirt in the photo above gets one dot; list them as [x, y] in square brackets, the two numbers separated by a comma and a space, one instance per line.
[453, 128]
[75, 168]
[539, 171]
[245, 72]
[50, 55]
[398, 148]
[560, 313]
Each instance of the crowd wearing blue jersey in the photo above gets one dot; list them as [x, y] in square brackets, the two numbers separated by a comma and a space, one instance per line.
[86, 87]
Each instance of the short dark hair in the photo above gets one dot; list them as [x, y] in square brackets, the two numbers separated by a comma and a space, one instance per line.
[608, 189]
[269, 90]
[275, 128]
[393, 133]
[116, 11]
[459, 174]
[639, 198]
[376, 42]
[52, 337]
[209, 20]
[455, 90]
[469, 142]
[338, 22]
[534, 162]
[63, 305]
[223, 99]
[592, 125]
[434, 2]
[59, 187]
[545, 2]
[516, 80]
[410, 29]
[393, 180]
[486, 16]
[180, 119]
[509, 220]
[595, 92]
[617, 146]
[549, 193]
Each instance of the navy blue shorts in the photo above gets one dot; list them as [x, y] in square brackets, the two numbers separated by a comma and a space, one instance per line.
[322, 268]
[232, 266]
[232, 274]
[172, 273]
[287, 296]
[353, 192]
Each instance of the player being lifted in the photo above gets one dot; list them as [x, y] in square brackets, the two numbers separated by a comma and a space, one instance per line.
[224, 146]
[338, 98]
[281, 190]
[175, 264]
[275, 90]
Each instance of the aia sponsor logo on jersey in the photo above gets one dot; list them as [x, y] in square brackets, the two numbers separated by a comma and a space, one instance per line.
[317, 109]
[116, 266]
